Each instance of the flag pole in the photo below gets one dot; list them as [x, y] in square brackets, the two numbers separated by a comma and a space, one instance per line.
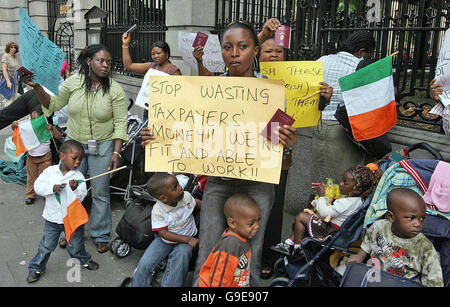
[53, 139]
[106, 173]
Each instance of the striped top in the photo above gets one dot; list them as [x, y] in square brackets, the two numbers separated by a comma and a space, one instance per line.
[336, 66]
[228, 264]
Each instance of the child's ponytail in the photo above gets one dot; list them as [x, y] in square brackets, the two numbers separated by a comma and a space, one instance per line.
[366, 177]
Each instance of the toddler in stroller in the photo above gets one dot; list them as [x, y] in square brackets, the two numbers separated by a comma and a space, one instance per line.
[317, 261]
[397, 245]
[357, 183]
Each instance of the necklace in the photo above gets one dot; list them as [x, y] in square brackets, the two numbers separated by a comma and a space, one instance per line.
[96, 88]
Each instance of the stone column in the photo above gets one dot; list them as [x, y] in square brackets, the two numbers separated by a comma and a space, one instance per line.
[188, 16]
[80, 8]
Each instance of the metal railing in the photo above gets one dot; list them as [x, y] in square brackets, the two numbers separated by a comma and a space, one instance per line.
[149, 15]
[415, 28]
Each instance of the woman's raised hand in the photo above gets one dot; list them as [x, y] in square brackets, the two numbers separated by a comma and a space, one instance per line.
[126, 38]
[27, 80]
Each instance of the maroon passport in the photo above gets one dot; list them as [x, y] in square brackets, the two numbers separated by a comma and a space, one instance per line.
[283, 36]
[23, 71]
[200, 40]
[280, 118]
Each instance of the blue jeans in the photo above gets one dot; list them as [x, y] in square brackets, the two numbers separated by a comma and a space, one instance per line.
[100, 220]
[49, 242]
[176, 269]
[213, 222]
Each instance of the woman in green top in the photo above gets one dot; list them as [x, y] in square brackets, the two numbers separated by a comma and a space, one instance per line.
[97, 108]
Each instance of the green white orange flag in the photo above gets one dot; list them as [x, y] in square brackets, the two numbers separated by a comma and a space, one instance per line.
[74, 214]
[30, 134]
[370, 100]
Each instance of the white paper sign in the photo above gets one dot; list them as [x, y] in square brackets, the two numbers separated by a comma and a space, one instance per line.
[212, 58]
[443, 69]
[142, 97]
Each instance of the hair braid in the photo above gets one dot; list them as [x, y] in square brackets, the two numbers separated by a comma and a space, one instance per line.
[366, 179]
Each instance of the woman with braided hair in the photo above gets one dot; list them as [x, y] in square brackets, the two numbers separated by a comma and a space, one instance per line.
[356, 185]
[97, 108]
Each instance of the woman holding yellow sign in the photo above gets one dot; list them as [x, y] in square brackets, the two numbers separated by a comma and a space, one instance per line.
[239, 48]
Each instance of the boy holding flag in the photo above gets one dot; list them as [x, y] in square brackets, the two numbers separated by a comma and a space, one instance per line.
[63, 187]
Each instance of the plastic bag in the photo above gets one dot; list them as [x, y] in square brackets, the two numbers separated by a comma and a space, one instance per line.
[332, 191]
[10, 150]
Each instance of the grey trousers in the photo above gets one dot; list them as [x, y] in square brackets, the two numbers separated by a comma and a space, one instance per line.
[213, 222]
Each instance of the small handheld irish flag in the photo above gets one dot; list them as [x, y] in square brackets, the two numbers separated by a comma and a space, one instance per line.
[370, 100]
[30, 134]
[74, 214]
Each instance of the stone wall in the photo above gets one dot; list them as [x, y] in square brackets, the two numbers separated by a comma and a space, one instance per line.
[10, 18]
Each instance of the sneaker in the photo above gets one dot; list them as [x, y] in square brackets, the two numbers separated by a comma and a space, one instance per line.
[282, 248]
[91, 266]
[33, 276]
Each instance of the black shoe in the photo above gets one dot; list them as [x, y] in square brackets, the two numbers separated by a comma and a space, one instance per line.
[91, 266]
[126, 282]
[33, 276]
[29, 201]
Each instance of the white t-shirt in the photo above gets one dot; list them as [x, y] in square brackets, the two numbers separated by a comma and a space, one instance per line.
[178, 219]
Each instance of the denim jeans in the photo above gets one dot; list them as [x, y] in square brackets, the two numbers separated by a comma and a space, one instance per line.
[176, 269]
[49, 241]
[213, 222]
[100, 220]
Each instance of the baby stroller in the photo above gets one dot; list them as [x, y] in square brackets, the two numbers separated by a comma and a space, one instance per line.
[134, 228]
[130, 183]
[313, 265]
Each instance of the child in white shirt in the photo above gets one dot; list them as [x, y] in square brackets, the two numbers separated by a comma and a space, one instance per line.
[52, 181]
[357, 183]
[172, 218]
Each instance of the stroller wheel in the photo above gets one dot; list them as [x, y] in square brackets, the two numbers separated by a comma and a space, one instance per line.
[279, 282]
[279, 267]
[114, 244]
[123, 249]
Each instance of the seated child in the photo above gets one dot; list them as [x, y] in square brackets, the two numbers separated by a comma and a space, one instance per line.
[357, 183]
[38, 158]
[228, 264]
[173, 219]
[397, 243]
[53, 180]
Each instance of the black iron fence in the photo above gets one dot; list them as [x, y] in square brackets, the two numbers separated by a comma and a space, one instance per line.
[149, 15]
[414, 28]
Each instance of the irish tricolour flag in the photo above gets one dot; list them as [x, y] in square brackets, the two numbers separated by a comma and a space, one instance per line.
[369, 99]
[74, 214]
[30, 134]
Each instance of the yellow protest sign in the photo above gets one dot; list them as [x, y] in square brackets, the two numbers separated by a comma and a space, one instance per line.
[212, 125]
[301, 79]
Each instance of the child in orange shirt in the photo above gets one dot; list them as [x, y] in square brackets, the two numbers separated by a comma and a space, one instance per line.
[228, 264]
